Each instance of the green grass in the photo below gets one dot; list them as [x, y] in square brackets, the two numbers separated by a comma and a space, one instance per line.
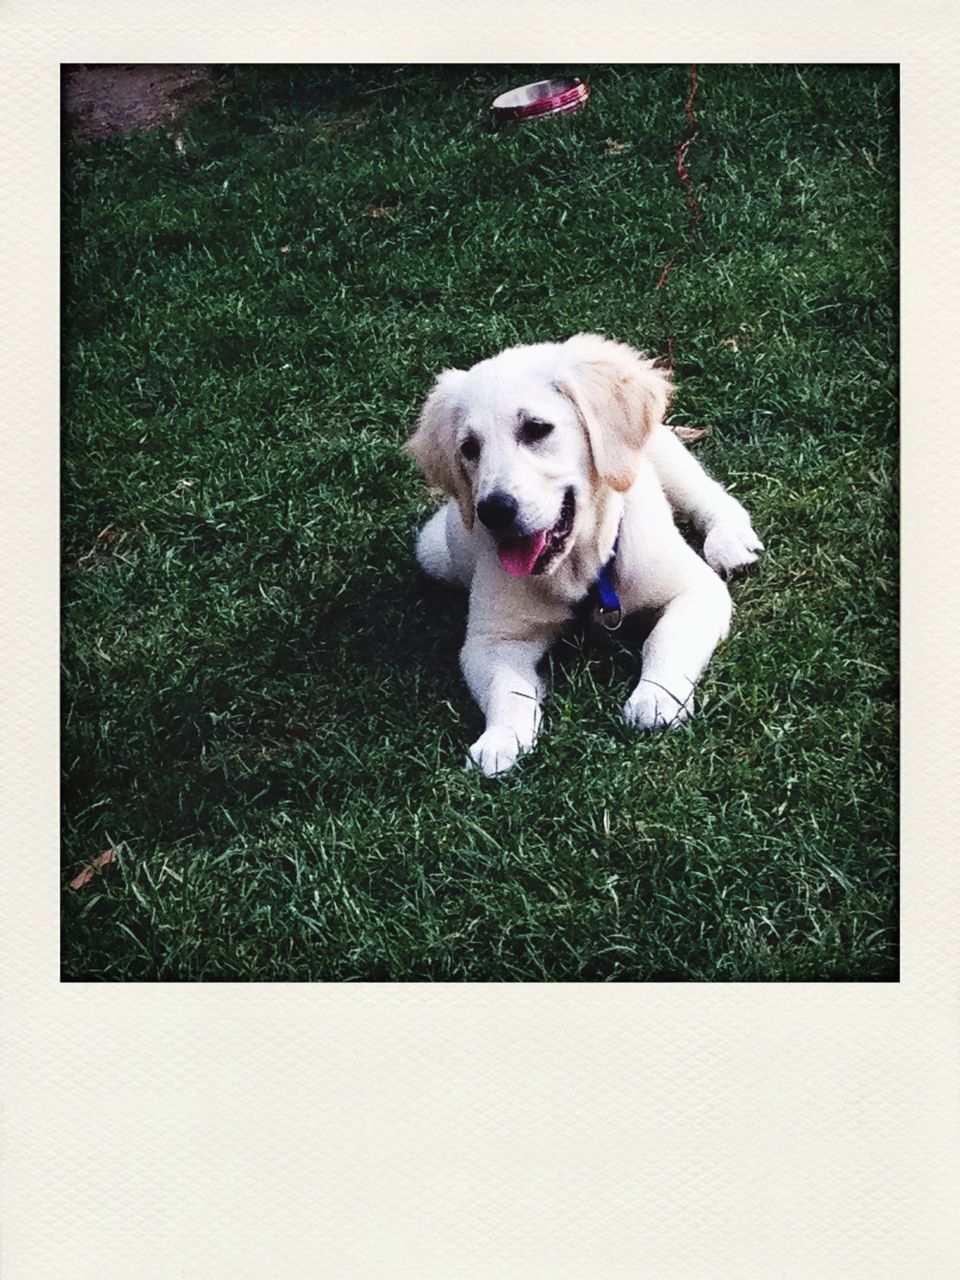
[262, 703]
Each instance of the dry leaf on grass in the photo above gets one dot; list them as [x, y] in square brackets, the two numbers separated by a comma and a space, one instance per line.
[93, 868]
[690, 433]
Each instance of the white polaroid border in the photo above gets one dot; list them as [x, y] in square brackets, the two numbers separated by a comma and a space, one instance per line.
[435, 1132]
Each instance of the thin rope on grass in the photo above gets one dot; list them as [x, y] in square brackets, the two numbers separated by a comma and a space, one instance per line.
[686, 181]
[696, 212]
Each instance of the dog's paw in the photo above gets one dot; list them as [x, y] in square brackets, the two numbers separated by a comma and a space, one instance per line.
[652, 706]
[730, 549]
[495, 751]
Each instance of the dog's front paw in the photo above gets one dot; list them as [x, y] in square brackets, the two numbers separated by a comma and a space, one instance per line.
[495, 751]
[654, 706]
[730, 549]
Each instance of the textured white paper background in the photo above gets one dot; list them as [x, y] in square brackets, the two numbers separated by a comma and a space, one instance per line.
[437, 1132]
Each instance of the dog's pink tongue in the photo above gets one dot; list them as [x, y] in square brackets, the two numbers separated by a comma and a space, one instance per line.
[519, 555]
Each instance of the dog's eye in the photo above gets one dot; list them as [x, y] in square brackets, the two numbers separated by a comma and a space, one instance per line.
[534, 429]
[470, 448]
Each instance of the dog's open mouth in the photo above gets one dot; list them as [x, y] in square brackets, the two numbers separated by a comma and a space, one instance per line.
[532, 554]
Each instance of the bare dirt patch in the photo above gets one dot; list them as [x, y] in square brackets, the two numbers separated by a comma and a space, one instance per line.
[100, 101]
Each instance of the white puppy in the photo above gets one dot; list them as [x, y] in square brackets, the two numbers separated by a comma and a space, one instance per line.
[555, 454]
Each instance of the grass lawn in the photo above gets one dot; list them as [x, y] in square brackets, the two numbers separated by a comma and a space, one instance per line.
[263, 711]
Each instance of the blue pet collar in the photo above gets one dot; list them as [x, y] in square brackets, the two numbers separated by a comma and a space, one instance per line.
[609, 612]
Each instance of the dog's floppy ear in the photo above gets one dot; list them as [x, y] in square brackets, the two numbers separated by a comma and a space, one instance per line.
[433, 444]
[619, 397]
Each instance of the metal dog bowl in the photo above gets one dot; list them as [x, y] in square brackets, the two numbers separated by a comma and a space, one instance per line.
[544, 98]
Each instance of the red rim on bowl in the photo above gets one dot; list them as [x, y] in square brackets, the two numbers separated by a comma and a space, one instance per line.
[544, 98]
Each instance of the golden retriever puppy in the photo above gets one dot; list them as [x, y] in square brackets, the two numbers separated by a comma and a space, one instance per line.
[564, 485]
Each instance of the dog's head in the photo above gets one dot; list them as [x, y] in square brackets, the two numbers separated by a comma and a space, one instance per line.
[527, 441]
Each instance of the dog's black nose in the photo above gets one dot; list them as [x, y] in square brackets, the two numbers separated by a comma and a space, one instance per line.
[498, 512]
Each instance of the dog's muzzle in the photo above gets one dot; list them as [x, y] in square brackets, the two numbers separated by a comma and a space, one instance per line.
[531, 553]
[498, 512]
